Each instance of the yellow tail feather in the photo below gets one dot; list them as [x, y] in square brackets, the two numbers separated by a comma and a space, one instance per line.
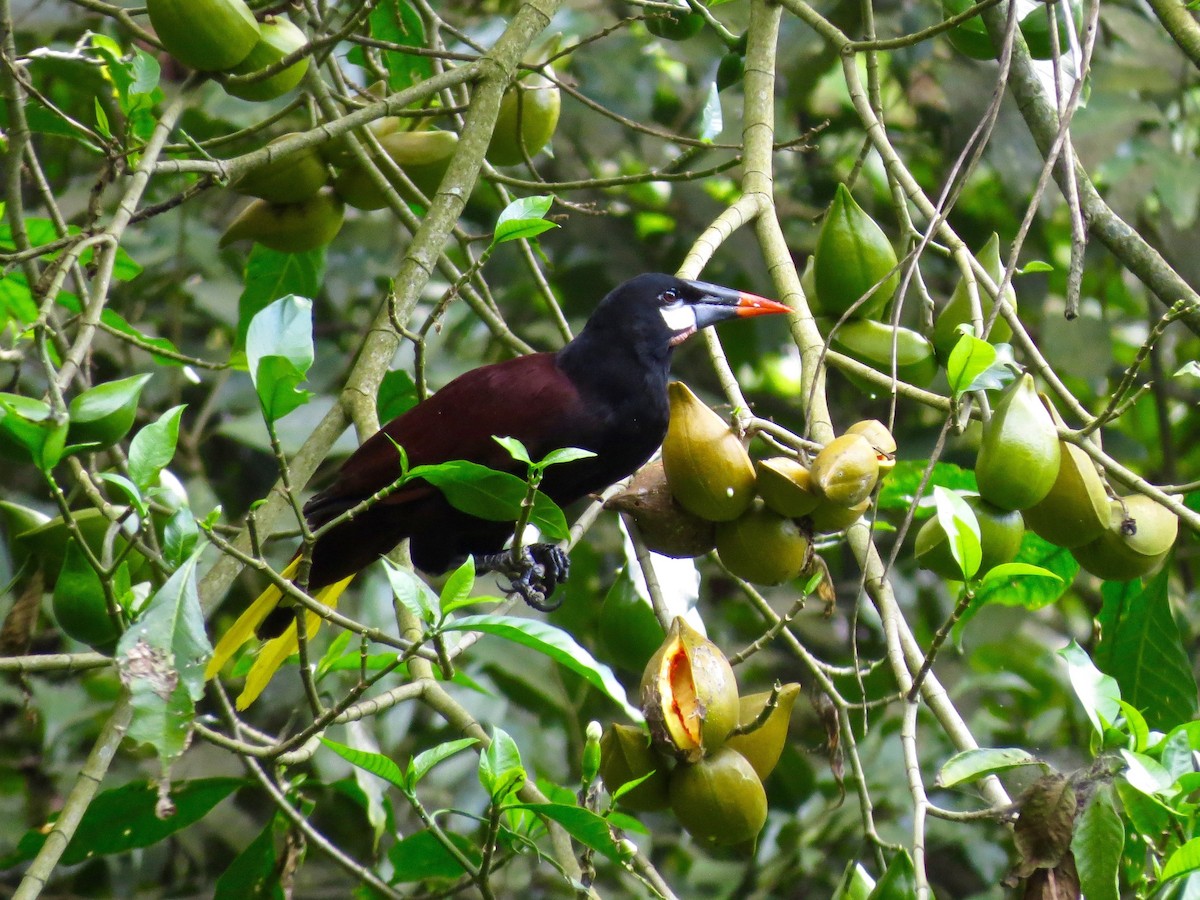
[243, 629]
[276, 651]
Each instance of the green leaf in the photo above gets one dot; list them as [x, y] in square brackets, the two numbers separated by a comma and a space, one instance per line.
[1184, 860]
[515, 448]
[495, 496]
[412, 592]
[102, 415]
[555, 643]
[117, 323]
[899, 489]
[969, 359]
[712, 123]
[128, 489]
[252, 874]
[397, 394]
[1028, 590]
[961, 526]
[422, 856]
[1035, 265]
[375, 763]
[396, 22]
[458, 586]
[180, 535]
[582, 824]
[1098, 843]
[523, 218]
[898, 882]
[1009, 571]
[1097, 692]
[565, 455]
[1147, 774]
[972, 765]
[27, 431]
[279, 352]
[270, 276]
[133, 807]
[80, 605]
[145, 72]
[16, 300]
[1140, 646]
[856, 883]
[427, 759]
[153, 448]
[161, 660]
[500, 769]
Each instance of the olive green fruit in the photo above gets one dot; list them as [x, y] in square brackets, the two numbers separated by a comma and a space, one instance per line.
[870, 343]
[785, 486]
[1019, 456]
[1075, 512]
[278, 38]
[958, 310]
[763, 547]
[880, 439]
[969, 38]
[627, 755]
[103, 415]
[528, 115]
[423, 155]
[1138, 537]
[665, 526]
[337, 151]
[689, 694]
[719, 799]
[763, 746]
[288, 179]
[676, 25]
[79, 604]
[208, 35]
[47, 542]
[846, 470]
[1000, 533]
[852, 256]
[707, 468]
[1036, 30]
[830, 517]
[288, 228]
[730, 70]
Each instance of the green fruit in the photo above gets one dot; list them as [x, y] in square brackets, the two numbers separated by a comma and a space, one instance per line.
[958, 310]
[288, 228]
[846, 470]
[423, 155]
[528, 115]
[677, 25]
[1139, 535]
[689, 694]
[881, 441]
[1000, 533]
[1019, 455]
[288, 179]
[707, 468]
[665, 526]
[730, 70]
[763, 746]
[337, 151]
[279, 38]
[852, 256]
[208, 35]
[719, 799]
[1075, 512]
[763, 547]
[104, 414]
[625, 756]
[786, 487]
[47, 543]
[970, 37]
[830, 517]
[1036, 30]
[79, 603]
[870, 343]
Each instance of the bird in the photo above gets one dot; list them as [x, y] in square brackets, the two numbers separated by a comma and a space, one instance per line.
[605, 391]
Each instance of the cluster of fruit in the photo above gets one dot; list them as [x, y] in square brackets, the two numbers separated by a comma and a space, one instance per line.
[706, 493]
[1030, 478]
[693, 760]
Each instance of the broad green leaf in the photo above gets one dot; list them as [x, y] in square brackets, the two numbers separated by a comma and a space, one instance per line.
[1184, 860]
[898, 882]
[971, 765]
[427, 759]
[969, 359]
[523, 218]
[899, 489]
[961, 526]
[153, 448]
[103, 415]
[161, 659]
[28, 432]
[279, 352]
[128, 489]
[180, 535]
[396, 22]
[1147, 814]
[565, 455]
[1030, 590]
[1140, 646]
[133, 806]
[16, 300]
[555, 643]
[270, 276]
[582, 824]
[1135, 724]
[495, 496]
[252, 875]
[412, 592]
[500, 768]
[375, 763]
[1097, 692]
[397, 394]
[422, 856]
[1098, 843]
[458, 586]
[515, 448]
[1147, 774]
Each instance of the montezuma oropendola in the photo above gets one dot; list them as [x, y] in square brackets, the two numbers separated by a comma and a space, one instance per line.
[605, 391]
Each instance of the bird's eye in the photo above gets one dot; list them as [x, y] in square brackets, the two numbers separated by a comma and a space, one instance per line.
[668, 297]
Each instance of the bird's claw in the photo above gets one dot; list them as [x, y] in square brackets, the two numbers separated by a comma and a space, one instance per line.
[541, 569]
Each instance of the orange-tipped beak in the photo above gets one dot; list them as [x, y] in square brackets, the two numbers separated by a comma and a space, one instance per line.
[754, 305]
